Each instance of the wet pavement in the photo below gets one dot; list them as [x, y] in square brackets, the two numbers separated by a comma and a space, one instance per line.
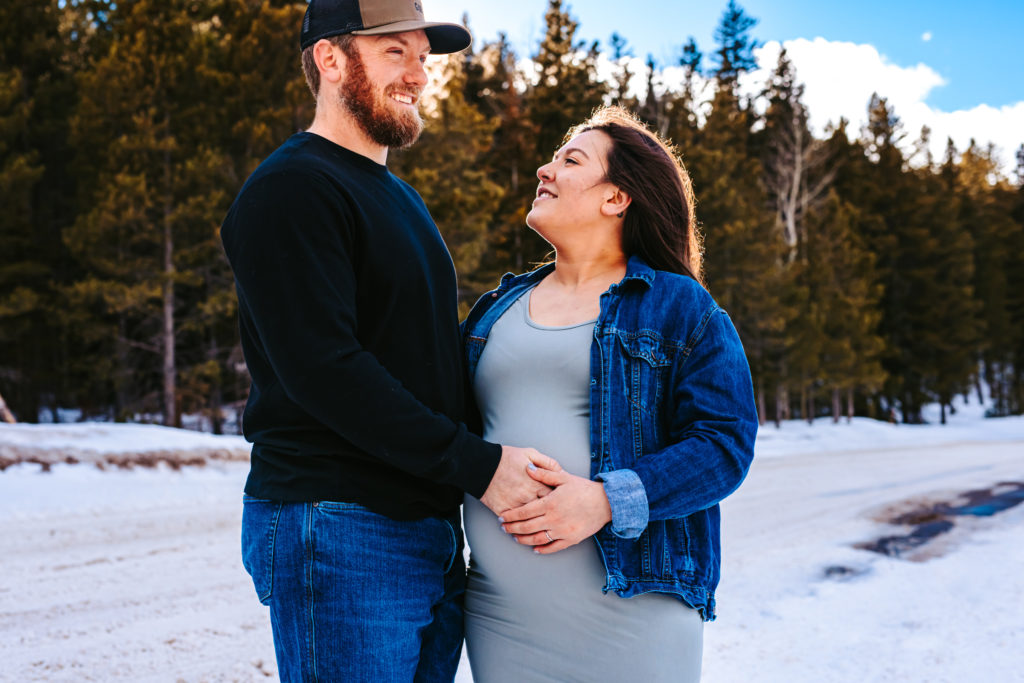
[939, 518]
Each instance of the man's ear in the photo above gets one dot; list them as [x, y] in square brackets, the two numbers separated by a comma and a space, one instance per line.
[330, 60]
[616, 202]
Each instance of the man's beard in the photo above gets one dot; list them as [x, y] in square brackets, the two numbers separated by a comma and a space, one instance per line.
[381, 123]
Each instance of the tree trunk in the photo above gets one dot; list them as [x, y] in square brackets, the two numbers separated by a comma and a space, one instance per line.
[804, 412]
[216, 394]
[849, 405]
[517, 239]
[810, 407]
[977, 386]
[171, 418]
[761, 409]
[836, 405]
[942, 408]
[780, 397]
[5, 413]
[121, 398]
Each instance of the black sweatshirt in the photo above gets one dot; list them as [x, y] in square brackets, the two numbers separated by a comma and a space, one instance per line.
[349, 325]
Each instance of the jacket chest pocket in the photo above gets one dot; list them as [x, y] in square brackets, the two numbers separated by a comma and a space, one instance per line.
[647, 363]
[647, 369]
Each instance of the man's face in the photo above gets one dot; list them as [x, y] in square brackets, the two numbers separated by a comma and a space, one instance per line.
[383, 82]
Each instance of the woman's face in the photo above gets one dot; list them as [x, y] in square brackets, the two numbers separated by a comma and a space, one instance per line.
[573, 186]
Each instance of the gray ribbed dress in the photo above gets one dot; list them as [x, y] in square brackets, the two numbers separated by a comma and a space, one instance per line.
[543, 617]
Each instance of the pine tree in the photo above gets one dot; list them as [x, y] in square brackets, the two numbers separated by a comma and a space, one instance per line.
[1015, 286]
[735, 53]
[743, 252]
[844, 293]
[986, 213]
[680, 121]
[36, 190]
[942, 290]
[621, 55]
[493, 86]
[797, 174]
[567, 87]
[871, 177]
[445, 167]
[654, 110]
[567, 90]
[156, 194]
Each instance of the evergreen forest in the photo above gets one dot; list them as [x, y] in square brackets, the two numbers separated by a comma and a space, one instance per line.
[864, 276]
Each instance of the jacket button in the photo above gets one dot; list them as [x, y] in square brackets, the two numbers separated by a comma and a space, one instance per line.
[316, 503]
[494, 295]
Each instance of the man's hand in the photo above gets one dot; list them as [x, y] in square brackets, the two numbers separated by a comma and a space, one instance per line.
[511, 485]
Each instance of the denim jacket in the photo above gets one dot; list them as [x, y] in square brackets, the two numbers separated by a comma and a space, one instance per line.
[672, 425]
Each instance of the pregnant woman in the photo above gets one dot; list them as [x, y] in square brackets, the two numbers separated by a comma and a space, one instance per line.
[616, 361]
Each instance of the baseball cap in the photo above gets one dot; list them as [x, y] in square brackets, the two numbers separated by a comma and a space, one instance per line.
[325, 18]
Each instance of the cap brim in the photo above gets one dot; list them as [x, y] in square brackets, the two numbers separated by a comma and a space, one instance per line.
[444, 38]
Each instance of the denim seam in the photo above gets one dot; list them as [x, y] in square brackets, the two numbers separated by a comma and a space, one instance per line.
[638, 443]
[455, 546]
[644, 332]
[309, 591]
[272, 550]
[698, 333]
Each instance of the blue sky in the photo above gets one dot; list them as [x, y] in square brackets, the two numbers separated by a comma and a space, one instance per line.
[974, 46]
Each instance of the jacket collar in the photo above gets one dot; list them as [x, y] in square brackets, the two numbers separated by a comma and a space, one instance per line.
[638, 270]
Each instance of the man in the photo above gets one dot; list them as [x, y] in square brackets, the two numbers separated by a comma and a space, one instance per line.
[347, 313]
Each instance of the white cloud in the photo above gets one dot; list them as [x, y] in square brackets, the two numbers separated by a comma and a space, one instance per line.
[840, 77]
[926, 36]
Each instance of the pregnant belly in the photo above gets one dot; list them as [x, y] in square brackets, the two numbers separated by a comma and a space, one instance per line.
[501, 567]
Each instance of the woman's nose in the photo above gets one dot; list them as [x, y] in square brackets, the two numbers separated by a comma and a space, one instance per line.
[544, 172]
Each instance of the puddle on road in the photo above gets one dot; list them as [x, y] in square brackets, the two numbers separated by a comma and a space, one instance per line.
[934, 520]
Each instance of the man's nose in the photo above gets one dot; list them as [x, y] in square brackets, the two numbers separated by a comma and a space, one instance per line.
[416, 73]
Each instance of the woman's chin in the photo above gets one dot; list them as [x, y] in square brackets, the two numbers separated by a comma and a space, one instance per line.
[533, 222]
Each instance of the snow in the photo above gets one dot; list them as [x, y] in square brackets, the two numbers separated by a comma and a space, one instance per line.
[108, 437]
[134, 574]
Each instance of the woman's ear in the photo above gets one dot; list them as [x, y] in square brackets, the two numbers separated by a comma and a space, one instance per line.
[616, 202]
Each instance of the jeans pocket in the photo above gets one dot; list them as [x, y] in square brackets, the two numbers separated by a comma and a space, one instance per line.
[259, 534]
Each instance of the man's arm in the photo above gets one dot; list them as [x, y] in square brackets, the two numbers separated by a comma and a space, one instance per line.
[290, 251]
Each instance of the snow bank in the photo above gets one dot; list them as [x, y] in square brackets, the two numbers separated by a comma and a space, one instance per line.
[121, 445]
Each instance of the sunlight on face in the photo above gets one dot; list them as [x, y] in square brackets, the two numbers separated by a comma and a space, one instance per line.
[573, 186]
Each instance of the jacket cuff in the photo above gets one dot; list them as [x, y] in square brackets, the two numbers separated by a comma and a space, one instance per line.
[628, 500]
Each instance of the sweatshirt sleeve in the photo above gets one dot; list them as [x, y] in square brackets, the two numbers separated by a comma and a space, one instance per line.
[289, 241]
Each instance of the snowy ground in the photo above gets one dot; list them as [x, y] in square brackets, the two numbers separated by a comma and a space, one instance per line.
[133, 574]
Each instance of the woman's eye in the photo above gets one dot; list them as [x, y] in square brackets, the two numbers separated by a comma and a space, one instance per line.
[570, 160]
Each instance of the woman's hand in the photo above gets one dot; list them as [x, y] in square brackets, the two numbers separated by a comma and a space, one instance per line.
[576, 509]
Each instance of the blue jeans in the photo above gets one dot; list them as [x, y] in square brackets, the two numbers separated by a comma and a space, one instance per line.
[356, 596]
